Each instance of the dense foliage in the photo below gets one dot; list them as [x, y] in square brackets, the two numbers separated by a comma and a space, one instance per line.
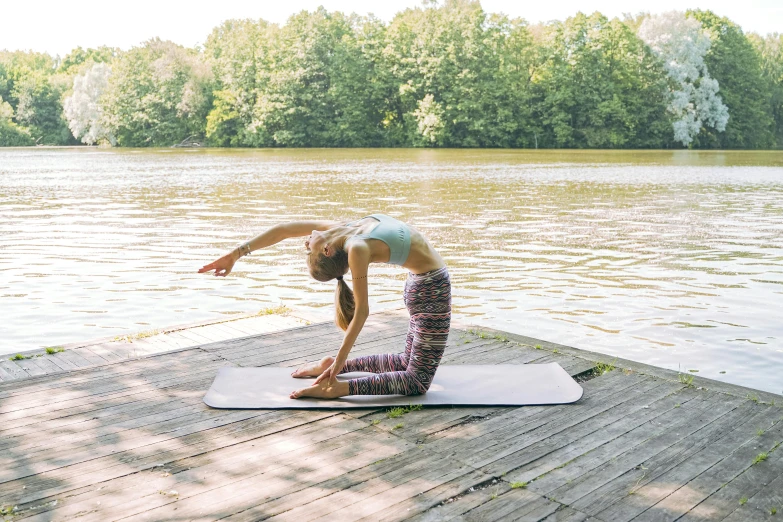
[448, 75]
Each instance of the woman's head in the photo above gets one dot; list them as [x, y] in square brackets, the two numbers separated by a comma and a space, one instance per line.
[326, 263]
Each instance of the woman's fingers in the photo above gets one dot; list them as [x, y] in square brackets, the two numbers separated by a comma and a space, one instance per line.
[325, 375]
[222, 267]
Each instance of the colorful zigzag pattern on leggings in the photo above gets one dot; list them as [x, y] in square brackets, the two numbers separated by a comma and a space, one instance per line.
[428, 299]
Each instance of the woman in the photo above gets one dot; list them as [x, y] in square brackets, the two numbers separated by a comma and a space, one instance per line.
[333, 249]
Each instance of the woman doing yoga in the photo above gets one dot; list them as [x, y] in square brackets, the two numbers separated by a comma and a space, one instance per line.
[335, 248]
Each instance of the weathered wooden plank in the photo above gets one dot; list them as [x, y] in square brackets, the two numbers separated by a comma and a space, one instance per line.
[567, 514]
[13, 467]
[81, 427]
[584, 464]
[9, 374]
[669, 470]
[45, 385]
[189, 388]
[14, 369]
[57, 365]
[327, 446]
[362, 498]
[109, 398]
[228, 331]
[560, 448]
[31, 367]
[82, 436]
[220, 464]
[109, 351]
[594, 487]
[212, 332]
[200, 439]
[508, 452]
[394, 344]
[758, 479]
[466, 500]
[370, 504]
[428, 501]
[93, 358]
[190, 336]
[37, 401]
[759, 507]
[159, 343]
[515, 504]
[94, 435]
[249, 499]
[557, 451]
[247, 329]
[75, 358]
[704, 473]
[456, 437]
[498, 436]
[173, 343]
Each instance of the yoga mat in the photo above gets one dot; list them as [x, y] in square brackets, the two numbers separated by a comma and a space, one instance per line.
[468, 385]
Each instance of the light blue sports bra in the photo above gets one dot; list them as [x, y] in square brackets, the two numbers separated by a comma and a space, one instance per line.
[394, 233]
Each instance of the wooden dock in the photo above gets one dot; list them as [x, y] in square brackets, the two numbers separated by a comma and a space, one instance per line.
[129, 438]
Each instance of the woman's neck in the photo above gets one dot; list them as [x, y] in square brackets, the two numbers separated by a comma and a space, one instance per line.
[341, 234]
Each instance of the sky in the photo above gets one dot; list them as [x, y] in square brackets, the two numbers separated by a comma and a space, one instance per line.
[57, 26]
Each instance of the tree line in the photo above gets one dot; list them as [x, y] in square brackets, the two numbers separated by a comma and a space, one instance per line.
[449, 75]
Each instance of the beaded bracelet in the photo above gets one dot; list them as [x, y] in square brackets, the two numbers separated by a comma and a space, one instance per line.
[244, 249]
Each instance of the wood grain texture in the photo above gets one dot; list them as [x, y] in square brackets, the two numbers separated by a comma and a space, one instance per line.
[97, 433]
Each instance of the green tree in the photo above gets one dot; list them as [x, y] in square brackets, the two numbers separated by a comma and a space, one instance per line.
[599, 86]
[158, 95]
[28, 83]
[734, 63]
[462, 76]
[770, 51]
[319, 86]
[11, 135]
[240, 52]
[73, 63]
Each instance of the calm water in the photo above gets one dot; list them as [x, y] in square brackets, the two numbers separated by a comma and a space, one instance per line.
[669, 258]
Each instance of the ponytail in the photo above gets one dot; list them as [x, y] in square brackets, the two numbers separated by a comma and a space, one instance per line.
[344, 304]
[324, 268]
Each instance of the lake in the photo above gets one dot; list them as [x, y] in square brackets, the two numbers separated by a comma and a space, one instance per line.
[672, 258]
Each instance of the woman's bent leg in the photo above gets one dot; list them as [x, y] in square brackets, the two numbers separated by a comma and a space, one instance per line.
[387, 362]
[428, 297]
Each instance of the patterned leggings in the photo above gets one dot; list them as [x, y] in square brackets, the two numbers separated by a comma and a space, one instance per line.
[428, 298]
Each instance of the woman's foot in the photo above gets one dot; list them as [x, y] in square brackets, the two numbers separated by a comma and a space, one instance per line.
[322, 390]
[314, 369]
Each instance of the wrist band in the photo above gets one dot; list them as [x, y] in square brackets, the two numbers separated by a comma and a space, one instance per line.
[244, 249]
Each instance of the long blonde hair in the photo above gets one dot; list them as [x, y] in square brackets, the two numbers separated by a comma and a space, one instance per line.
[325, 268]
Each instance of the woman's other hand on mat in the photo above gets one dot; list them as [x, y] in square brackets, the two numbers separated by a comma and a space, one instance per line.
[222, 266]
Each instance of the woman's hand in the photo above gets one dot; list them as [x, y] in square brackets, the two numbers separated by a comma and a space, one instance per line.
[330, 374]
[222, 266]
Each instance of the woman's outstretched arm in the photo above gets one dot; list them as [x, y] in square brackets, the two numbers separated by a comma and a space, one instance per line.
[274, 235]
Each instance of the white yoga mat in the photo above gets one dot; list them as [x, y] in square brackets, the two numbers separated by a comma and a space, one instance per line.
[480, 385]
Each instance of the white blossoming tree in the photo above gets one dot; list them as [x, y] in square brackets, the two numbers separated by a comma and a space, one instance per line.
[83, 109]
[681, 44]
[429, 116]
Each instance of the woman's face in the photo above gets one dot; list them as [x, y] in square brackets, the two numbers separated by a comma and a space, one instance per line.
[316, 243]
